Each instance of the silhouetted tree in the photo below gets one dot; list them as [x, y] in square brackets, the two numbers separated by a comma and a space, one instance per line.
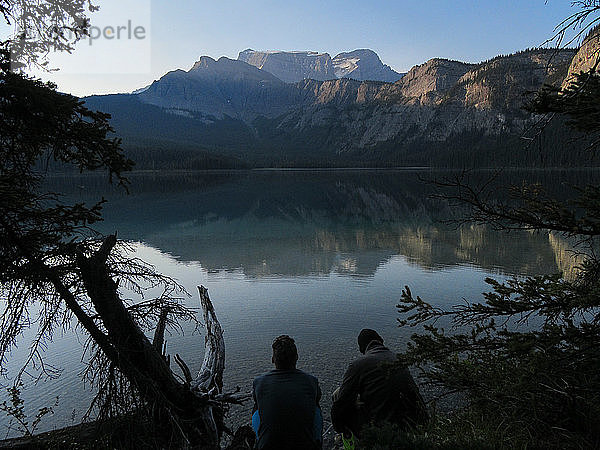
[524, 363]
[40, 27]
[52, 262]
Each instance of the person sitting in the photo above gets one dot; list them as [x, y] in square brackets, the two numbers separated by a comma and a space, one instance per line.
[286, 412]
[376, 389]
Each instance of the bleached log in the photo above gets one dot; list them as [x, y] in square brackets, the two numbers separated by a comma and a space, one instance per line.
[195, 407]
[210, 376]
[209, 381]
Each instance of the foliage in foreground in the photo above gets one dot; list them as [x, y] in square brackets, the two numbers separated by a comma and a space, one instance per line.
[524, 363]
[57, 273]
[524, 374]
[532, 387]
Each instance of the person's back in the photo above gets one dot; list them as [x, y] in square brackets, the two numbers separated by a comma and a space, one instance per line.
[388, 392]
[375, 389]
[286, 401]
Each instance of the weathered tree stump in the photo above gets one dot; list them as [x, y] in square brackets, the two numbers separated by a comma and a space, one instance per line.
[201, 400]
[194, 407]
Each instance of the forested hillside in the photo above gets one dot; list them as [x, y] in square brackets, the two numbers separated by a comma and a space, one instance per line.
[442, 113]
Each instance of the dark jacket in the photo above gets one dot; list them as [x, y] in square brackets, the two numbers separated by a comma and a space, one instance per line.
[287, 403]
[375, 390]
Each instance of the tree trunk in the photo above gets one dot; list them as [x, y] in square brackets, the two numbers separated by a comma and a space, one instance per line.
[194, 407]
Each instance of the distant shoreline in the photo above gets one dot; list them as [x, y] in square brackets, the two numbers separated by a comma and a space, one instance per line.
[334, 169]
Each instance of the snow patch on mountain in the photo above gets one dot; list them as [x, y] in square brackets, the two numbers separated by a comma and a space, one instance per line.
[363, 65]
[294, 66]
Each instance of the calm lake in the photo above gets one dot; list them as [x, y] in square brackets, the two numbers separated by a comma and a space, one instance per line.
[317, 255]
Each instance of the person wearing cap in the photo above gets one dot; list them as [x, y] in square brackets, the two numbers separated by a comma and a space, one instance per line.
[376, 389]
[286, 412]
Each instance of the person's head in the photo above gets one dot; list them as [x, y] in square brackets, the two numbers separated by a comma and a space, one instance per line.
[285, 353]
[365, 337]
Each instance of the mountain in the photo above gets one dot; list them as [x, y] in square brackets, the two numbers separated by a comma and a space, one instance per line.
[215, 89]
[427, 83]
[441, 113]
[291, 66]
[587, 56]
[212, 90]
[439, 103]
[363, 65]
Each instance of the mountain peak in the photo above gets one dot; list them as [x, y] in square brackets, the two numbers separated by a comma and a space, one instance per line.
[203, 62]
[227, 68]
[291, 66]
[427, 82]
[363, 64]
[359, 53]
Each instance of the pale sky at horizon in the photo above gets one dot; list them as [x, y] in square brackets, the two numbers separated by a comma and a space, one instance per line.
[403, 33]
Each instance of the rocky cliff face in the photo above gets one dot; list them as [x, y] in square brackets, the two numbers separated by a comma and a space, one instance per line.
[587, 57]
[363, 65]
[435, 102]
[291, 67]
[224, 87]
[426, 84]
[501, 83]
[339, 93]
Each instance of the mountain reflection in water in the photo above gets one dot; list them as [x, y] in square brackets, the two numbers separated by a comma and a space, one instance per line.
[316, 255]
[301, 223]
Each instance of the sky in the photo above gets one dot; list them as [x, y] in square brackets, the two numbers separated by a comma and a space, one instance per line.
[404, 33]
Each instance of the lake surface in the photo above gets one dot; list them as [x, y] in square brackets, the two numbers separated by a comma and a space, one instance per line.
[317, 255]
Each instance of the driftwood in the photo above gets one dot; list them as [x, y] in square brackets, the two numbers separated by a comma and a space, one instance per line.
[197, 404]
[194, 407]
[211, 373]
[209, 382]
[186, 413]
